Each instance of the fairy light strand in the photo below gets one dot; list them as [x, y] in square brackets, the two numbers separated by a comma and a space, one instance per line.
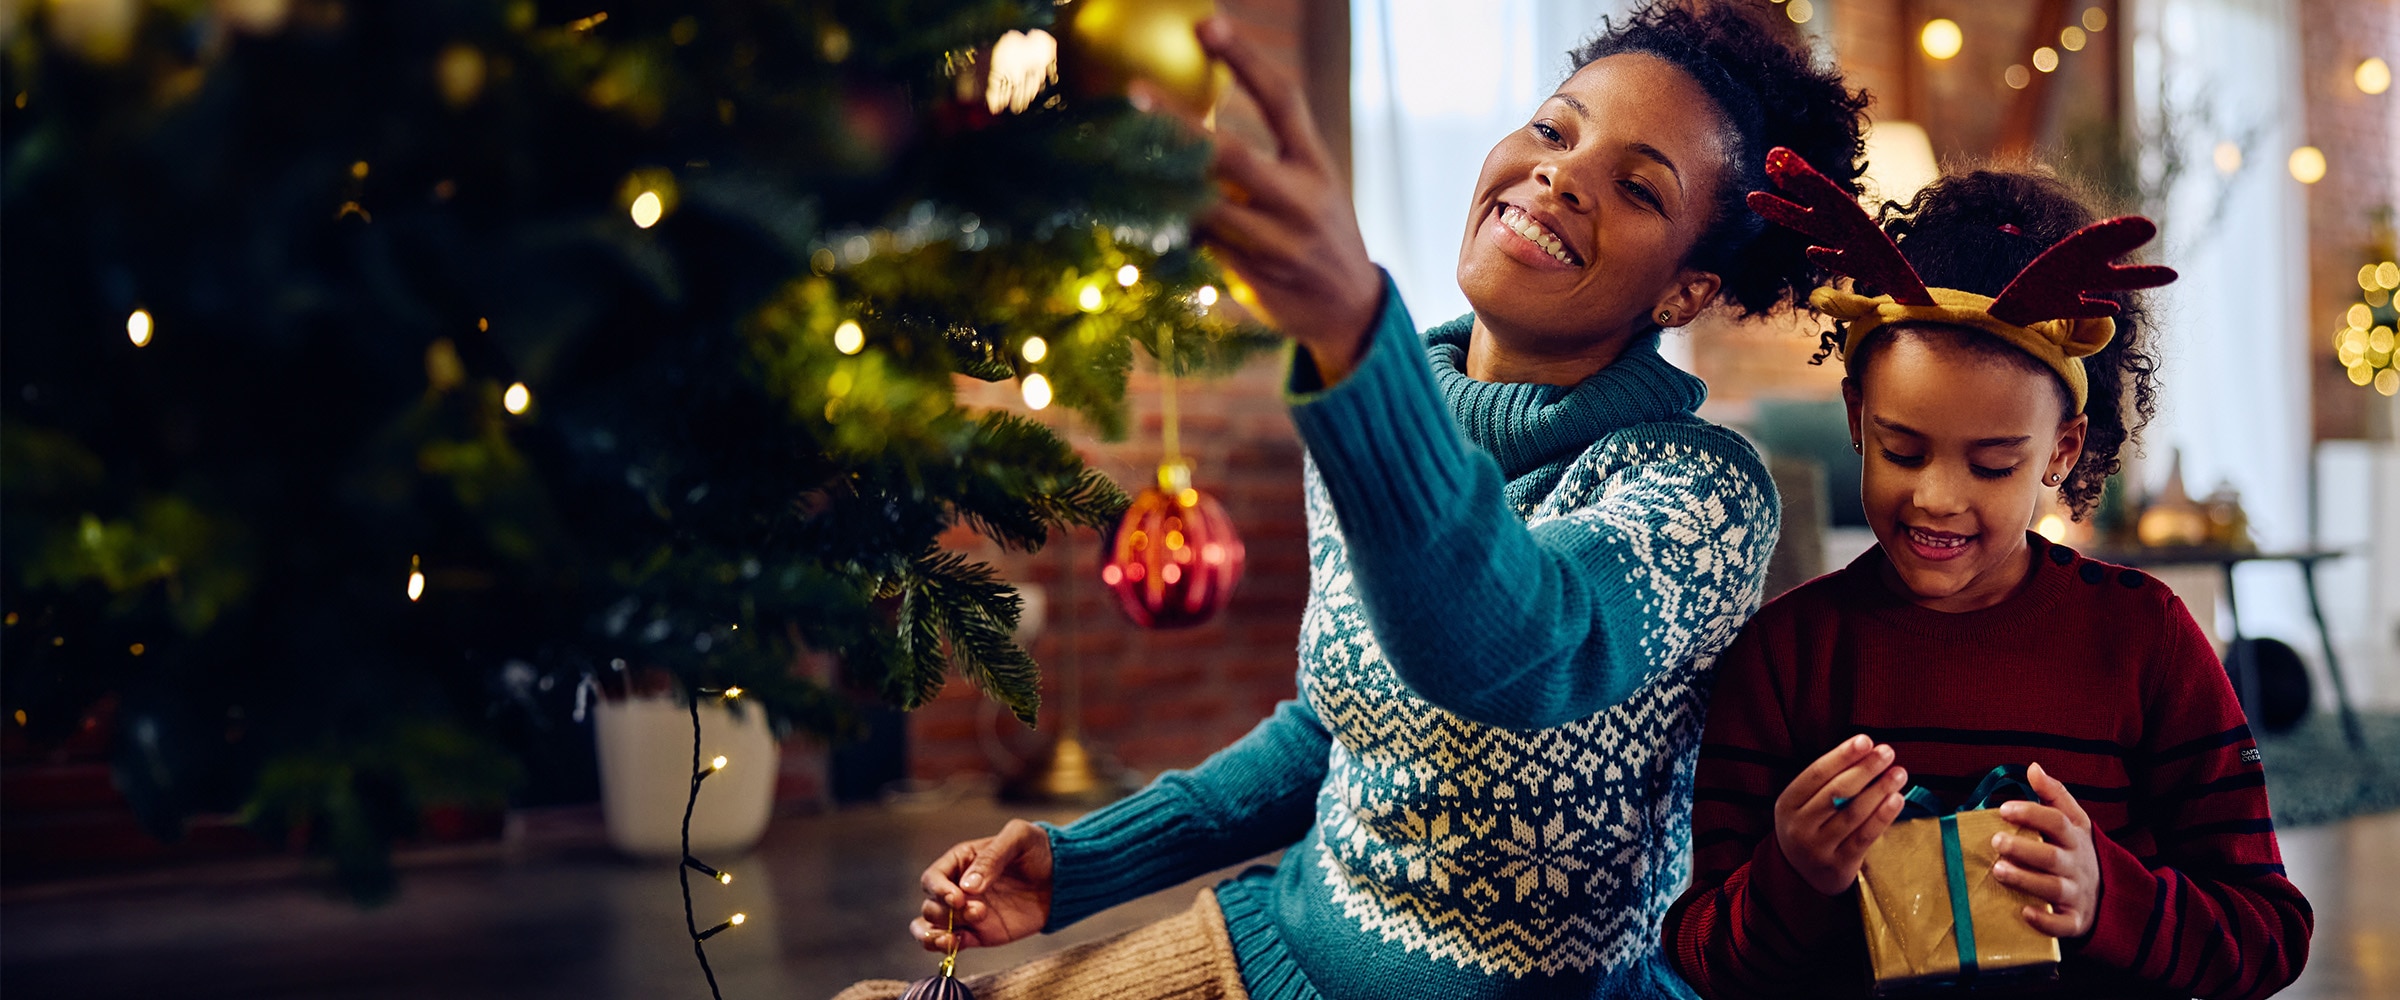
[691, 925]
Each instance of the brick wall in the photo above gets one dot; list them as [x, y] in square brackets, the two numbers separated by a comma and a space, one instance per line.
[2360, 139]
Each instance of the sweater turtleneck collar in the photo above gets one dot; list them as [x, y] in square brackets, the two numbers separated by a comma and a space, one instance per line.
[1526, 425]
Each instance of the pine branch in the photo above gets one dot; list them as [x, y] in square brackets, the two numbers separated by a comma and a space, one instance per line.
[976, 612]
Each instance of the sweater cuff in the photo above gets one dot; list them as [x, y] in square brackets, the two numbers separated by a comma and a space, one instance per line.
[1382, 439]
[1112, 855]
[1795, 904]
[2127, 890]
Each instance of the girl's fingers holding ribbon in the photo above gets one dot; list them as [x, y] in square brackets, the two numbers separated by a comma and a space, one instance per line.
[1878, 818]
[1859, 779]
[2041, 885]
[1880, 790]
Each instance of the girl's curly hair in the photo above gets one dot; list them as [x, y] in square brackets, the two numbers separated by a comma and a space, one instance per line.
[1973, 232]
[1769, 94]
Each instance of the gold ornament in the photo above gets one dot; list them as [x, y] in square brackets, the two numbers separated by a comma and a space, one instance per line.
[1111, 43]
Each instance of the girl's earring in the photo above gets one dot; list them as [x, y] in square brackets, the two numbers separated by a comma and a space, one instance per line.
[1856, 447]
[1664, 316]
[2053, 479]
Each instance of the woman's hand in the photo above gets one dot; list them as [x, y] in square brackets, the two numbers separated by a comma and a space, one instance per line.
[1003, 894]
[1285, 225]
[1828, 816]
[2065, 872]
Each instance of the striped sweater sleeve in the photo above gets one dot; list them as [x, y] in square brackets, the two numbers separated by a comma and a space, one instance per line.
[2212, 915]
[1748, 925]
[1518, 626]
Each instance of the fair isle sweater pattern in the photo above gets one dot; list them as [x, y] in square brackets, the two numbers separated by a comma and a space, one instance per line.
[1522, 852]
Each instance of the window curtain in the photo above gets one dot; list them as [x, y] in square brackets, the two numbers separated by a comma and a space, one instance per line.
[2235, 398]
[1433, 84]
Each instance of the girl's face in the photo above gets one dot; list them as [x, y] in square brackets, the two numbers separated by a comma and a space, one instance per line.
[1958, 445]
[1581, 219]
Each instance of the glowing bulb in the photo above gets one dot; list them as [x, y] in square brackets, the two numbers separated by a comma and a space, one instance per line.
[1800, 11]
[1189, 497]
[1127, 275]
[848, 338]
[517, 398]
[2051, 526]
[2095, 19]
[1036, 349]
[2361, 373]
[724, 878]
[717, 764]
[733, 692]
[2374, 76]
[2366, 277]
[416, 579]
[737, 919]
[2387, 382]
[2017, 77]
[1037, 391]
[647, 208]
[2307, 164]
[137, 649]
[2045, 59]
[1206, 296]
[2360, 316]
[137, 327]
[1089, 298]
[1942, 38]
[2071, 38]
[2387, 274]
[2228, 158]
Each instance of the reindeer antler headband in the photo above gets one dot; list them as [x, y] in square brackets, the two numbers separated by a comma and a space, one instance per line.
[2048, 310]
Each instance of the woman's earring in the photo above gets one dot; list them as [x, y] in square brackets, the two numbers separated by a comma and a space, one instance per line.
[1856, 447]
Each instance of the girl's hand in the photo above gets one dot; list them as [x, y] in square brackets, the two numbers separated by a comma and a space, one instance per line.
[1285, 225]
[1003, 895]
[1824, 842]
[2064, 872]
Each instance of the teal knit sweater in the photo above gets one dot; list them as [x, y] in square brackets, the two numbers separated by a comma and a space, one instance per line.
[1484, 788]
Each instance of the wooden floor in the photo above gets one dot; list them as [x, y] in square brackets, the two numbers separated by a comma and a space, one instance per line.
[828, 897]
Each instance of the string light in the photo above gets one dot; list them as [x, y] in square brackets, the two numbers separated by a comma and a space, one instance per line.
[2374, 76]
[2095, 19]
[2228, 158]
[718, 764]
[517, 398]
[1089, 298]
[733, 692]
[1206, 296]
[1037, 391]
[416, 579]
[138, 327]
[2071, 38]
[137, 649]
[647, 209]
[2387, 274]
[1127, 275]
[690, 864]
[2017, 77]
[1800, 11]
[2307, 164]
[1035, 350]
[848, 338]
[2045, 59]
[1941, 38]
[2051, 526]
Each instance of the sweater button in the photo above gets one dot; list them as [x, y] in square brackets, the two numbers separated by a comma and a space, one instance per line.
[2091, 572]
[2129, 579]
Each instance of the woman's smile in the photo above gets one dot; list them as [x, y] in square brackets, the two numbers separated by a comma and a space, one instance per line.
[1530, 237]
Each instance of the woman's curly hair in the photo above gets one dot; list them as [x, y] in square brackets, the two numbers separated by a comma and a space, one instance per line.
[1974, 231]
[1770, 94]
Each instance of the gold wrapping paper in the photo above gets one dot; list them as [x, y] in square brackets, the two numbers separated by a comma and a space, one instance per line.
[1904, 900]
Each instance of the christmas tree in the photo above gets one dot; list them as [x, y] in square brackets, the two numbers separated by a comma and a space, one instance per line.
[379, 371]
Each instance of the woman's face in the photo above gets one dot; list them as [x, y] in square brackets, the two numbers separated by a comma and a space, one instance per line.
[1581, 219]
[1957, 446]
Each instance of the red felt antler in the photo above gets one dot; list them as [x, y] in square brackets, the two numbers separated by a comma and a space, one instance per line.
[1848, 241]
[2059, 283]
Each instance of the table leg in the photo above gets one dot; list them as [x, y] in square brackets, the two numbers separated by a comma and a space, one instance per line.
[2333, 665]
[2243, 662]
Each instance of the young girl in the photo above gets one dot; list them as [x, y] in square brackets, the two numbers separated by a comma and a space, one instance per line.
[1525, 552]
[1962, 641]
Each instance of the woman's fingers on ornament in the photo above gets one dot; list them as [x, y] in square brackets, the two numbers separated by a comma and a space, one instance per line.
[936, 881]
[1250, 178]
[1276, 93]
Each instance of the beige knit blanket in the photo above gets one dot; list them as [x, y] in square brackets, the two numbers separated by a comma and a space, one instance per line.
[1184, 957]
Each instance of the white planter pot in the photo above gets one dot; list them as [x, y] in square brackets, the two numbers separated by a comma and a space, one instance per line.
[645, 773]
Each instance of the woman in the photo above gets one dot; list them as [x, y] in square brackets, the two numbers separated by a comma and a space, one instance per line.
[1525, 554]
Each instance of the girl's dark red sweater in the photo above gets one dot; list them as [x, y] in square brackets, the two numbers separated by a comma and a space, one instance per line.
[2095, 671]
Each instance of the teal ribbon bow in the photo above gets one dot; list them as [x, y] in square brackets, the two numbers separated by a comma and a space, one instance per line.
[2005, 783]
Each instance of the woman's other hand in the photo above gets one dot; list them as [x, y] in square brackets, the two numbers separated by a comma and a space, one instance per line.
[998, 887]
[1285, 224]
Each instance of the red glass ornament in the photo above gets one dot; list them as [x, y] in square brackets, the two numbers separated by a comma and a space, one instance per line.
[1175, 559]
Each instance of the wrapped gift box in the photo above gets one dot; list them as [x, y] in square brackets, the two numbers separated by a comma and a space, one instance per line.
[1920, 937]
